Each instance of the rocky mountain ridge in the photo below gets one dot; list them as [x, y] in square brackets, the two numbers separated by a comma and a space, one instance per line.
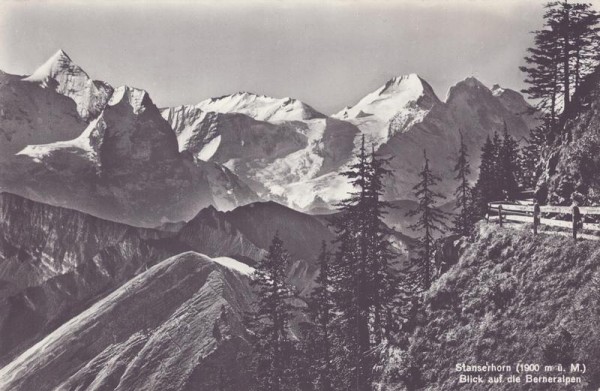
[187, 314]
[55, 262]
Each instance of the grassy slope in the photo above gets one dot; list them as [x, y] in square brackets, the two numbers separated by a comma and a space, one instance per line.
[504, 301]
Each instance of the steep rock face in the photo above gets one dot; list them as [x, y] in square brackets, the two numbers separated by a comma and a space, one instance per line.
[59, 73]
[300, 232]
[170, 328]
[573, 166]
[212, 233]
[516, 104]
[126, 167]
[53, 261]
[30, 114]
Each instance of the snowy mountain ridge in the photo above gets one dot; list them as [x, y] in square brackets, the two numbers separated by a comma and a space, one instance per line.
[261, 107]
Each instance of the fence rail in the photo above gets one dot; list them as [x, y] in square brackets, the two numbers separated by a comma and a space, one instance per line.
[585, 210]
[552, 216]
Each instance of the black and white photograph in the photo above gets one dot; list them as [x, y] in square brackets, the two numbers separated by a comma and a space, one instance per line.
[299, 195]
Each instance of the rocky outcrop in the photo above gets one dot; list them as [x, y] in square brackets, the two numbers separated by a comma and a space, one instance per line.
[570, 169]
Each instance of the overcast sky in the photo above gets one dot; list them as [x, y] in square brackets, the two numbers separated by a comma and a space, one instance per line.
[326, 53]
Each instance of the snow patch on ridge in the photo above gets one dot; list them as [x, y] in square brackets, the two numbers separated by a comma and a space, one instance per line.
[232, 264]
[86, 144]
[209, 149]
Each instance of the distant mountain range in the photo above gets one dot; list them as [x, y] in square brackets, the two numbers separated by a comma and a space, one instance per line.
[70, 140]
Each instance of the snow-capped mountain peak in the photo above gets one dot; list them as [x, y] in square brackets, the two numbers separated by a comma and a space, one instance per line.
[61, 74]
[410, 83]
[394, 107]
[261, 107]
[56, 64]
[385, 102]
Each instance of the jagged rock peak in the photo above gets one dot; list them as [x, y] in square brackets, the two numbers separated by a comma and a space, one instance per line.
[137, 98]
[497, 90]
[67, 78]
[472, 82]
[469, 86]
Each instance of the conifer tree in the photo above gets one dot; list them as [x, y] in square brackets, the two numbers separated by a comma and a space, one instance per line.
[430, 219]
[530, 158]
[384, 280]
[486, 187]
[543, 77]
[507, 166]
[320, 309]
[564, 51]
[362, 278]
[463, 222]
[352, 280]
[269, 322]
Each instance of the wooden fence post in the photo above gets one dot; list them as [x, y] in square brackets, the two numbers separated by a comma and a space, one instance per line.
[500, 214]
[536, 217]
[575, 219]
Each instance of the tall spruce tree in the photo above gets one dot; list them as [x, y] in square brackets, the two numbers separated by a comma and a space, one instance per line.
[565, 50]
[269, 322]
[486, 187]
[320, 308]
[430, 220]
[507, 166]
[352, 279]
[384, 280]
[530, 158]
[463, 222]
[543, 76]
[361, 275]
